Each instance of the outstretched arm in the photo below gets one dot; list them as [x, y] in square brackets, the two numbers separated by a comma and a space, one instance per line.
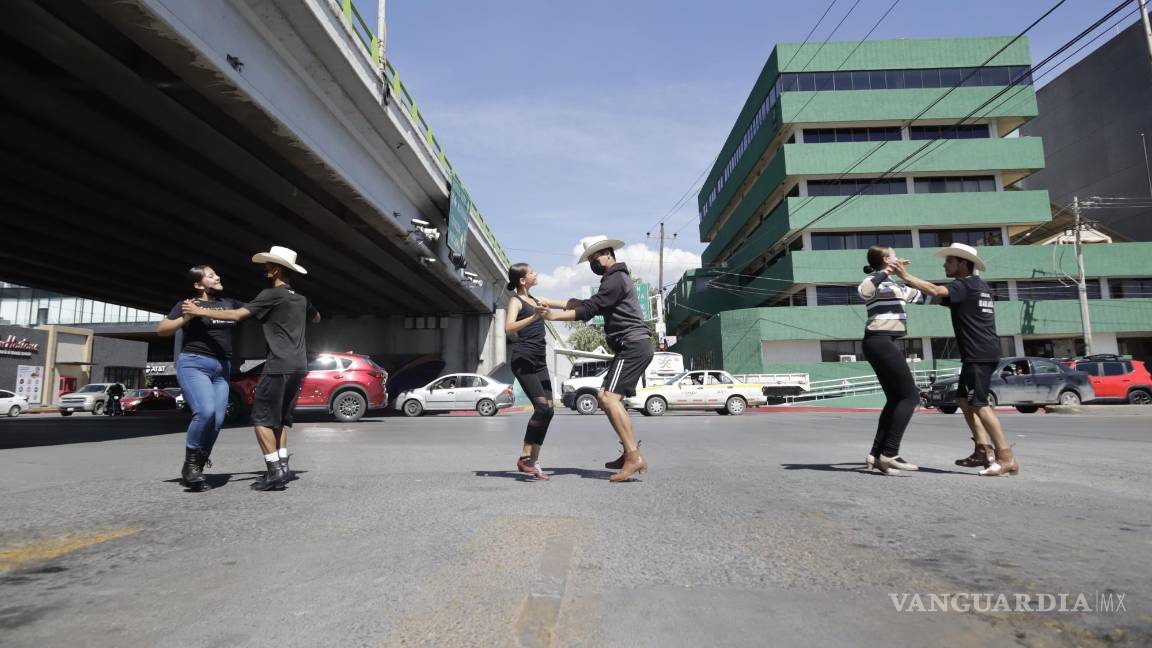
[900, 269]
[233, 315]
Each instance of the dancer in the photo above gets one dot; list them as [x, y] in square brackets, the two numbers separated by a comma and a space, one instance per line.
[203, 364]
[283, 314]
[887, 323]
[529, 361]
[974, 325]
[628, 336]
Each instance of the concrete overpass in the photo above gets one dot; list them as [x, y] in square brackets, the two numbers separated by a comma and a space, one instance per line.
[140, 137]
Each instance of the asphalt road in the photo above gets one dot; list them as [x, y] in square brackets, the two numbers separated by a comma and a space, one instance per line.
[759, 530]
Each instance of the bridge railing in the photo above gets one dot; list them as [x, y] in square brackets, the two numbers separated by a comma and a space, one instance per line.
[396, 89]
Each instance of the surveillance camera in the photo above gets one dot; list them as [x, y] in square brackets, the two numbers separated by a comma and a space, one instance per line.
[421, 223]
[427, 260]
[430, 233]
[471, 275]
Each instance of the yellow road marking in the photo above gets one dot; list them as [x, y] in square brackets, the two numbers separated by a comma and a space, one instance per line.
[54, 548]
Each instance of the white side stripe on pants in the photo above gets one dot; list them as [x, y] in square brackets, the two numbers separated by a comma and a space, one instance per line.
[616, 375]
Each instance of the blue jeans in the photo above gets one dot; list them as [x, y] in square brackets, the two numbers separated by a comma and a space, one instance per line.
[204, 380]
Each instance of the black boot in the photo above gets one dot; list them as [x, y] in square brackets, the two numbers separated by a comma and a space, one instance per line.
[274, 477]
[288, 474]
[192, 475]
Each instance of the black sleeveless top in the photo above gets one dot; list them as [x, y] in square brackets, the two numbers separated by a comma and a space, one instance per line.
[528, 342]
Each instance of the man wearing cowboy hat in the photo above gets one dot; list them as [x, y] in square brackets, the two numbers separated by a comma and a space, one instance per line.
[974, 325]
[628, 336]
[282, 313]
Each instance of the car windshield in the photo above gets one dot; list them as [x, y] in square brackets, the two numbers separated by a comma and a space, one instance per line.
[139, 393]
[88, 389]
[676, 379]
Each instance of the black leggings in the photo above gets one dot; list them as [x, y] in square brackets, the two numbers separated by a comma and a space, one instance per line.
[887, 360]
[537, 384]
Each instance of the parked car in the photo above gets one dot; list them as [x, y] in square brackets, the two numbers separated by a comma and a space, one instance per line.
[579, 392]
[346, 385]
[12, 403]
[1025, 383]
[708, 389]
[89, 398]
[457, 392]
[1116, 379]
[147, 400]
[178, 394]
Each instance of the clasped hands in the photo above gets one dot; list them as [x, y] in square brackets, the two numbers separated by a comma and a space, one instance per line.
[542, 310]
[191, 309]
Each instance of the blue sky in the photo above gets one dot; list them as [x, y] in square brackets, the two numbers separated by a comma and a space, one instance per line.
[569, 119]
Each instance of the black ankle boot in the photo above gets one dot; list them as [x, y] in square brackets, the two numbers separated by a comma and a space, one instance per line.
[192, 475]
[288, 474]
[273, 478]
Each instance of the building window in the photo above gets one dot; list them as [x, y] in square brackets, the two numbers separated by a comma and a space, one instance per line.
[999, 290]
[953, 184]
[900, 79]
[1057, 348]
[946, 349]
[1048, 290]
[837, 296]
[833, 135]
[1130, 288]
[831, 350]
[130, 377]
[975, 237]
[951, 131]
[799, 298]
[861, 240]
[863, 186]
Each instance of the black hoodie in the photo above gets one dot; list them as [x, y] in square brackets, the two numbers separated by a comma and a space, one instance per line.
[617, 302]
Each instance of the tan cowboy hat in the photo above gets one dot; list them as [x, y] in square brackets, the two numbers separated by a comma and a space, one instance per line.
[962, 251]
[280, 256]
[594, 244]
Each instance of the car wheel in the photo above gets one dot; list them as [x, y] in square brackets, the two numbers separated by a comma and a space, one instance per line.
[1069, 398]
[1139, 397]
[412, 407]
[656, 406]
[722, 412]
[1027, 409]
[98, 409]
[486, 407]
[948, 409]
[14, 412]
[736, 406]
[349, 406]
[63, 413]
[992, 402]
[586, 404]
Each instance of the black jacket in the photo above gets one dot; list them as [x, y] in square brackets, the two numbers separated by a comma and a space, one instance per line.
[617, 302]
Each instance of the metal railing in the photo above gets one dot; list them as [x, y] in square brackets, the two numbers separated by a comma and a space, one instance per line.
[862, 385]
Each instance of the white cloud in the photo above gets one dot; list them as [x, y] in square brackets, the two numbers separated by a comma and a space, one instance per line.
[566, 280]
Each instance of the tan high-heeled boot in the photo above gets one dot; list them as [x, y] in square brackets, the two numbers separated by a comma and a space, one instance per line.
[982, 456]
[633, 464]
[1005, 464]
[618, 463]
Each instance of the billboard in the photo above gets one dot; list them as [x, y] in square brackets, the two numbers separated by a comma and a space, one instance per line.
[460, 210]
[30, 383]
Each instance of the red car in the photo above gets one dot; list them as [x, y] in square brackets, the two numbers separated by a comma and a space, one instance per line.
[346, 385]
[147, 400]
[1116, 379]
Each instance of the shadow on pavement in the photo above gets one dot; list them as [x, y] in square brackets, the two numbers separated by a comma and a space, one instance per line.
[47, 431]
[552, 472]
[860, 467]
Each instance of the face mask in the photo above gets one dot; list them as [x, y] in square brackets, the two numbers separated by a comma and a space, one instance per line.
[597, 267]
[214, 292]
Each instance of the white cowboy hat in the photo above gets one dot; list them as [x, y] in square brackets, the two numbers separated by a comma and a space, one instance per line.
[594, 244]
[962, 251]
[280, 256]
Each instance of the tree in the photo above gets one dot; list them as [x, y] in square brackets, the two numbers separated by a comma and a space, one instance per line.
[586, 337]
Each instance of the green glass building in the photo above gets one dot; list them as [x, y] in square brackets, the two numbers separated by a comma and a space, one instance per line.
[909, 143]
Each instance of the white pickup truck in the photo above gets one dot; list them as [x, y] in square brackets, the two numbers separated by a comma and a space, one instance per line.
[580, 393]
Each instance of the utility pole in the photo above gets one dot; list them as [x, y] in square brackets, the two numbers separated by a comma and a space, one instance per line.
[660, 331]
[382, 33]
[1147, 25]
[1147, 167]
[1081, 285]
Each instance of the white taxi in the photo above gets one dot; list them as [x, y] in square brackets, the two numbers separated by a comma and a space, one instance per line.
[705, 389]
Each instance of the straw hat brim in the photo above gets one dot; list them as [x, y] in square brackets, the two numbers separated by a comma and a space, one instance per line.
[264, 257]
[963, 254]
[606, 244]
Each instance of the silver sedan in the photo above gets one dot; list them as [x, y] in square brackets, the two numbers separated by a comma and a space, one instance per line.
[457, 392]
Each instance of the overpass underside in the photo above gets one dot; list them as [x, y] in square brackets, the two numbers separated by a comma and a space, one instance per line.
[128, 156]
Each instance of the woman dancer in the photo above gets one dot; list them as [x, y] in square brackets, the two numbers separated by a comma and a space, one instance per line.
[202, 368]
[887, 323]
[525, 329]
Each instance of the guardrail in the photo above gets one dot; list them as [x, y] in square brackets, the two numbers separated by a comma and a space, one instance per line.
[861, 385]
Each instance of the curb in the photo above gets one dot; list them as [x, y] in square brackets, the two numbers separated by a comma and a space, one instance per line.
[1101, 410]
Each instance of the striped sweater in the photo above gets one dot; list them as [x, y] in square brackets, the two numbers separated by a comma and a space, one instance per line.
[885, 300]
